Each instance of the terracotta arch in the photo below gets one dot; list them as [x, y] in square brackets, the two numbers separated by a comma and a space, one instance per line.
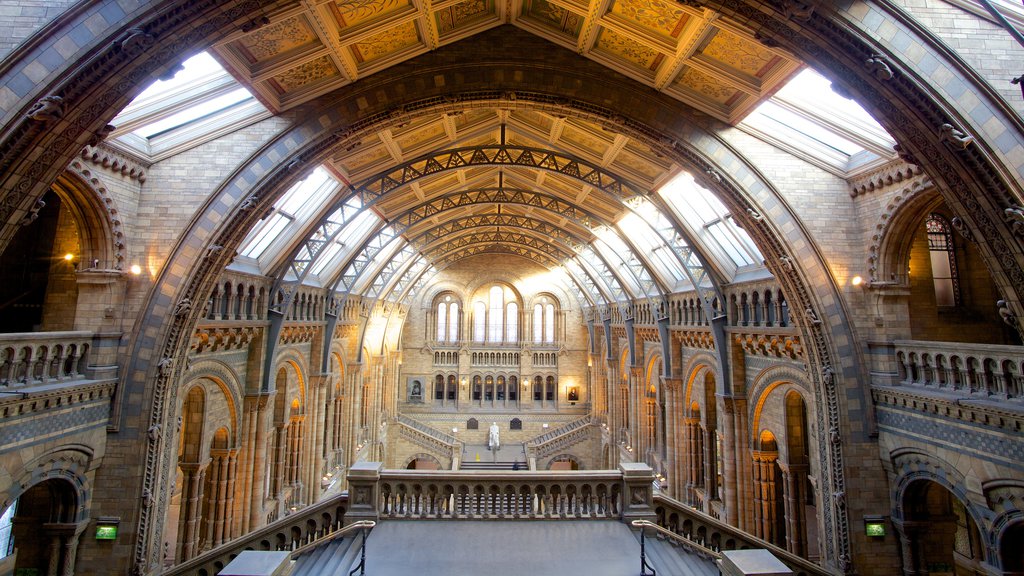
[114, 74]
[70, 464]
[97, 219]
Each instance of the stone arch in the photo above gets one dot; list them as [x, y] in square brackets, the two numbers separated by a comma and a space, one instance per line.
[227, 382]
[422, 456]
[700, 364]
[69, 463]
[911, 466]
[572, 459]
[890, 246]
[113, 75]
[96, 216]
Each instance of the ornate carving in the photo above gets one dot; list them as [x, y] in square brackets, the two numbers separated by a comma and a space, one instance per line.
[249, 203]
[955, 137]
[136, 41]
[905, 155]
[183, 307]
[153, 433]
[47, 109]
[960, 226]
[164, 365]
[33, 212]
[878, 65]
[799, 11]
[1015, 218]
[1004, 312]
[755, 214]
[100, 155]
[255, 24]
[812, 316]
[100, 135]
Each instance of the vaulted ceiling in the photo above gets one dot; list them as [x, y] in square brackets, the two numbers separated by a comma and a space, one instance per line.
[549, 216]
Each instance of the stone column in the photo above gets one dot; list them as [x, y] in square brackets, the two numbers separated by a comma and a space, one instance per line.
[256, 474]
[193, 476]
[910, 545]
[794, 495]
[71, 548]
[764, 495]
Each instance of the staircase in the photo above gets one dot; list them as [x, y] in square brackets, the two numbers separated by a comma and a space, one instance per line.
[335, 557]
[671, 559]
[510, 457]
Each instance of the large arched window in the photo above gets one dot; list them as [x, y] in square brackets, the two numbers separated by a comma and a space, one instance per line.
[512, 322]
[943, 261]
[496, 320]
[447, 319]
[544, 322]
[479, 321]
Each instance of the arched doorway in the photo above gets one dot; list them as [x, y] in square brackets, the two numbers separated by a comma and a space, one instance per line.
[44, 530]
[1011, 550]
[939, 536]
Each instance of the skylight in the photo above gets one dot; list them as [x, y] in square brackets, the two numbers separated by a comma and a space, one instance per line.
[810, 120]
[199, 103]
[710, 220]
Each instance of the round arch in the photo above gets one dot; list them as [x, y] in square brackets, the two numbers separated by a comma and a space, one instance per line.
[118, 69]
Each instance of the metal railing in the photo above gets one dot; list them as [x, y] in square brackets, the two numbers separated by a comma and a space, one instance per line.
[362, 526]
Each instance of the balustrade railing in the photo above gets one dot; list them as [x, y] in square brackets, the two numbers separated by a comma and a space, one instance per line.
[708, 533]
[970, 369]
[34, 358]
[486, 495]
[298, 529]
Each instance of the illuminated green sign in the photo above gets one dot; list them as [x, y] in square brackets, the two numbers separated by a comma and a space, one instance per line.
[874, 528]
[106, 532]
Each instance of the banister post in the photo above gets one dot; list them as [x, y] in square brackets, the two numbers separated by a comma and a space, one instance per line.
[637, 492]
[364, 491]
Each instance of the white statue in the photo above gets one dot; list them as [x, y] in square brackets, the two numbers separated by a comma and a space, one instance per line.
[492, 437]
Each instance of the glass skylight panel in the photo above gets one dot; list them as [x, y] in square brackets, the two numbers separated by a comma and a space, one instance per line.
[266, 234]
[648, 242]
[202, 109]
[199, 67]
[813, 130]
[308, 190]
[728, 243]
[326, 256]
[808, 82]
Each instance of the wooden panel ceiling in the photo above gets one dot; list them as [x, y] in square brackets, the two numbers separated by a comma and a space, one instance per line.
[689, 53]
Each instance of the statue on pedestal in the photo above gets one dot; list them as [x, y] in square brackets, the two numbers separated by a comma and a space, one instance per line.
[492, 437]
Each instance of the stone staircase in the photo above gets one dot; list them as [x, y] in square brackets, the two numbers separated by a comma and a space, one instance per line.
[335, 557]
[667, 557]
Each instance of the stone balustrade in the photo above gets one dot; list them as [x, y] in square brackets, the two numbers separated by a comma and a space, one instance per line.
[969, 369]
[707, 532]
[482, 496]
[623, 494]
[39, 358]
[298, 529]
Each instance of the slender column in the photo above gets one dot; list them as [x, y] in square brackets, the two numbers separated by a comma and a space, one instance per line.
[793, 492]
[910, 545]
[193, 475]
[55, 549]
[253, 515]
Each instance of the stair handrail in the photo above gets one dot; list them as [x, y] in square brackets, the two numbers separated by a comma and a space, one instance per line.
[359, 525]
[561, 430]
[427, 430]
[795, 562]
[702, 551]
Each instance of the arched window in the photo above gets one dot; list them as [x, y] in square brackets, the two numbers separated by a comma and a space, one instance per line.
[494, 320]
[549, 324]
[544, 322]
[943, 261]
[512, 322]
[453, 322]
[442, 321]
[479, 321]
